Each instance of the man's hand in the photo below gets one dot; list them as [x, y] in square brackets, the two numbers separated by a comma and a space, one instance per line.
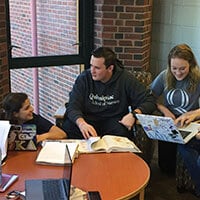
[128, 121]
[87, 130]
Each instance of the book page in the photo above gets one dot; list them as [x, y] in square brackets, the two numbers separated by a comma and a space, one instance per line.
[84, 146]
[118, 143]
[98, 145]
[4, 130]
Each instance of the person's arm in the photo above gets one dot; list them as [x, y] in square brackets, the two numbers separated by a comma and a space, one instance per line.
[76, 104]
[140, 100]
[54, 133]
[145, 100]
[46, 129]
[165, 111]
[188, 117]
[138, 96]
[86, 129]
[130, 119]
[158, 86]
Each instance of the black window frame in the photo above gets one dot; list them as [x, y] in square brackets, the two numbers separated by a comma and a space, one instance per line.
[86, 43]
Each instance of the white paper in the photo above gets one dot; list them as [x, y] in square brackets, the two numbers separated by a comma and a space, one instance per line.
[4, 130]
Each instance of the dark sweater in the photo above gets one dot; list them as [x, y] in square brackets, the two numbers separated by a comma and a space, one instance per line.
[96, 100]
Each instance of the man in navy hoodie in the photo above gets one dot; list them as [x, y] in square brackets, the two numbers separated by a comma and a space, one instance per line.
[100, 98]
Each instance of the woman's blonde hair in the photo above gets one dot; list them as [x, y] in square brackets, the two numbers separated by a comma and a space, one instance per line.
[183, 51]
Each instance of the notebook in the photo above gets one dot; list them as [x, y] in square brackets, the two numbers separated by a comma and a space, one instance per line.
[51, 189]
[163, 128]
[49, 156]
[22, 137]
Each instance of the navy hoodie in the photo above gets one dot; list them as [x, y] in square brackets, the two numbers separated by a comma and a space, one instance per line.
[95, 100]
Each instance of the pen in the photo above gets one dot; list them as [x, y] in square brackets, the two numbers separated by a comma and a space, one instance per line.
[129, 109]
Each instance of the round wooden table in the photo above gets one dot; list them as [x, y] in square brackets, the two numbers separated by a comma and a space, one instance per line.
[114, 175]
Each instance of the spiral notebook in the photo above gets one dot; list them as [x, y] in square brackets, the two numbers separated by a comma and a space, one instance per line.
[163, 128]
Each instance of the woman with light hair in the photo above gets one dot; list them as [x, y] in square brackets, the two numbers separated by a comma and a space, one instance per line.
[179, 87]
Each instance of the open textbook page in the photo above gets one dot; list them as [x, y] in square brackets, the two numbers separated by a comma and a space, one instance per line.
[111, 143]
[108, 143]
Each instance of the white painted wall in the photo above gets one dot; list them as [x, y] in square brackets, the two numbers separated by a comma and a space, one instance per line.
[174, 22]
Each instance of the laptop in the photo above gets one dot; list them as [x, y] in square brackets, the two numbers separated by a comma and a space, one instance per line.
[51, 189]
[163, 128]
[22, 137]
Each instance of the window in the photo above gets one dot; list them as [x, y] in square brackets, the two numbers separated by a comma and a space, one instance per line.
[49, 32]
[48, 40]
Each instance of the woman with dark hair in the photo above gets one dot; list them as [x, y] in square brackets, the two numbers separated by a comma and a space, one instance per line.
[179, 86]
[18, 110]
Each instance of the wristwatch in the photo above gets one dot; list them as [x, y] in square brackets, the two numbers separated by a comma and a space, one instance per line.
[134, 114]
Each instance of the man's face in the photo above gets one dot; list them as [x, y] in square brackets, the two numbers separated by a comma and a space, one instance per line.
[99, 71]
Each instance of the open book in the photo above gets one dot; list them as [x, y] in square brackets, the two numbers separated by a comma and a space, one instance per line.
[108, 143]
[53, 152]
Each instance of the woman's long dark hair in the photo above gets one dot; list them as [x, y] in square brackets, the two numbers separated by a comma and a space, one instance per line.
[12, 103]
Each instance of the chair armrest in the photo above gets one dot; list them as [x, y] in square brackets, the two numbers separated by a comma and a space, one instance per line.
[60, 112]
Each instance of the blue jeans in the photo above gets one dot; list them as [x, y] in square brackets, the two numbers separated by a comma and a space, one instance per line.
[190, 154]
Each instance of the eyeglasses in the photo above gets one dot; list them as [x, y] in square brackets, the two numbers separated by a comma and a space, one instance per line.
[14, 195]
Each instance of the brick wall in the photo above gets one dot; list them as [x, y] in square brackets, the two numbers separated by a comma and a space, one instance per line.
[54, 37]
[4, 73]
[125, 26]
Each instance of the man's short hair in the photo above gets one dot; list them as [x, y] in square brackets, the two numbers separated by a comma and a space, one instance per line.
[107, 54]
